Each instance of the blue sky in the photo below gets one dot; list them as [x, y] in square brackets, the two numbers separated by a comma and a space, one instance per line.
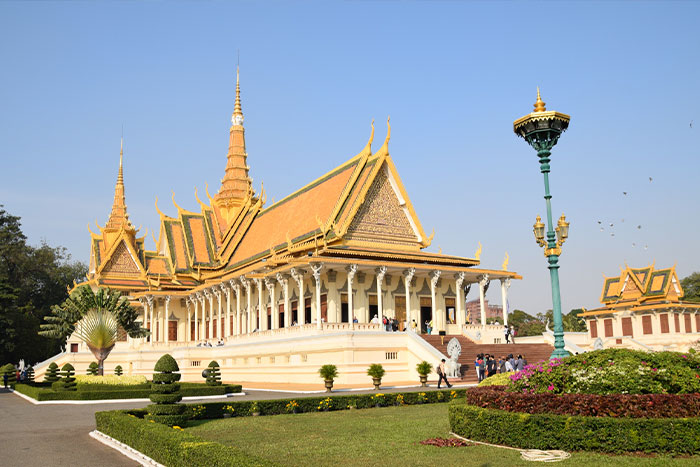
[453, 76]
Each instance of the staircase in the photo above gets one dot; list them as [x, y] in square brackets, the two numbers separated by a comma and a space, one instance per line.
[530, 352]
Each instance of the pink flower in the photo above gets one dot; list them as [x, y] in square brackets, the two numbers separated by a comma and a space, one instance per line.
[653, 369]
[684, 356]
[550, 387]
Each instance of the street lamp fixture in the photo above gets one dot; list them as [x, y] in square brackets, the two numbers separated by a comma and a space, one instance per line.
[541, 129]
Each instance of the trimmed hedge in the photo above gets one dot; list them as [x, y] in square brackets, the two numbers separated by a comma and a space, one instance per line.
[51, 375]
[170, 446]
[575, 433]
[589, 405]
[121, 392]
[213, 374]
[210, 410]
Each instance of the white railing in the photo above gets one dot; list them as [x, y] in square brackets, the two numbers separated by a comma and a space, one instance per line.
[292, 331]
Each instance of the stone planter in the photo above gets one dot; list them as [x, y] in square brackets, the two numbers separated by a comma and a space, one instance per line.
[329, 385]
[255, 414]
[377, 382]
[227, 415]
[424, 381]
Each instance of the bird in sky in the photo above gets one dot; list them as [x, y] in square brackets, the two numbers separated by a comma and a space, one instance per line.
[611, 224]
[650, 179]
[645, 247]
[612, 234]
[599, 222]
[639, 227]
[624, 193]
[634, 244]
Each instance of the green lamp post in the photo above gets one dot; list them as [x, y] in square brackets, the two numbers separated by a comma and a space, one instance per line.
[541, 129]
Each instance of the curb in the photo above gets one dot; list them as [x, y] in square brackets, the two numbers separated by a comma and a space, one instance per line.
[118, 401]
[124, 449]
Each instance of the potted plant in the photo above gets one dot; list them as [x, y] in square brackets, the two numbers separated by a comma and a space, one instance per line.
[255, 409]
[228, 411]
[424, 369]
[328, 373]
[376, 372]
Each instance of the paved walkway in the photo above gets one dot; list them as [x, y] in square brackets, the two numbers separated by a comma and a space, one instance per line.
[57, 435]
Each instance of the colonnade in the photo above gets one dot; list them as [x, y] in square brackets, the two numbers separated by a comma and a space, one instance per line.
[228, 308]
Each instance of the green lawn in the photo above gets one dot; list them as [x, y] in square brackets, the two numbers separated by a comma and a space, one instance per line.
[376, 437]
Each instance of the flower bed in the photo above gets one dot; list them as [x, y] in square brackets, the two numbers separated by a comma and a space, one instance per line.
[575, 433]
[90, 382]
[591, 405]
[612, 371]
[120, 392]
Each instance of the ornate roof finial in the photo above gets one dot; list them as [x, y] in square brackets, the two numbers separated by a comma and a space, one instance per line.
[237, 118]
[119, 217]
[539, 104]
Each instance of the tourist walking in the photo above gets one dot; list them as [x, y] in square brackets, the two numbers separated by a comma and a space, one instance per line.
[506, 333]
[512, 334]
[4, 379]
[502, 365]
[414, 325]
[442, 375]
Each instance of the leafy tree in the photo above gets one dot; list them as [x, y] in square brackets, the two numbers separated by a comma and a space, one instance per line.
[100, 315]
[525, 324]
[573, 322]
[32, 280]
[691, 287]
[10, 371]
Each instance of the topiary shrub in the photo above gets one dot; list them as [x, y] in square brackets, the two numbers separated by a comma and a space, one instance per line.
[51, 375]
[118, 370]
[67, 381]
[29, 375]
[165, 394]
[92, 369]
[11, 373]
[214, 374]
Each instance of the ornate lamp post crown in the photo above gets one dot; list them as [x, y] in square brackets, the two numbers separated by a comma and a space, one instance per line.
[542, 129]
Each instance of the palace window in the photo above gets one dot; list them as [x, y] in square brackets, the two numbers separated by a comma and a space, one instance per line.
[593, 324]
[688, 323]
[646, 324]
[608, 325]
[195, 362]
[392, 355]
[74, 348]
[663, 319]
[627, 327]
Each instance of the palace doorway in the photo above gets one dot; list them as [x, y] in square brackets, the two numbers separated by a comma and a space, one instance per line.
[426, 311]
[172, 330]
[400, 312]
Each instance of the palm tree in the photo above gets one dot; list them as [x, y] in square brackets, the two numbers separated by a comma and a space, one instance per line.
[98, 316]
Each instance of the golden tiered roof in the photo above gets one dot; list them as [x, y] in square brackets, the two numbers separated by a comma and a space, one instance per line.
[359, 210]
[639, 289]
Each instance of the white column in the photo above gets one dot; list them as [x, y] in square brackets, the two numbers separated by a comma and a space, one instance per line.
[210, 312]
[352, 270]
[505, 285]
[249, 312]
[433, 285]
[219, 331]
[459, 280]
[196, 317]
[166, 334]
[381, 271]
[284, 283]
[188, 326]
[262, 314]
[149, 298]
[226, 328]
[316, 271]
[274, 312]
[407, 285]
[142, 300]
[298, 276]
[482, 284]
[200, 325]
[237, 288]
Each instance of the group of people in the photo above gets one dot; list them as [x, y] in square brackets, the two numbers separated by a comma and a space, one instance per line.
[219, 343]
[488, 365]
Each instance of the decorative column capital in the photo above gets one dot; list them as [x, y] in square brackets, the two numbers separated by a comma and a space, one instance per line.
[206, 293]
[483, 280]
[245, 283]
[283, 279]
[381, 272]
[434, 278]
[167, 300]
[216, 291]
[459, 278]
[505, 282]
[201, 298]
[408, 274]
[270, 284]
[351, 270]
[316, 270]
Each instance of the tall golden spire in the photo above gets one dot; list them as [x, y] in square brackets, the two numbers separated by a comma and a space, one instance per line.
[539, 104]
[118, 217]
[236, 183]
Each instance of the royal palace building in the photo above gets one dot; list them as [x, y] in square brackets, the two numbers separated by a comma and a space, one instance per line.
[279, 289]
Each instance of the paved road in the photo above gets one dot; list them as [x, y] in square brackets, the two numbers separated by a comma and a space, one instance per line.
[57, 435]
